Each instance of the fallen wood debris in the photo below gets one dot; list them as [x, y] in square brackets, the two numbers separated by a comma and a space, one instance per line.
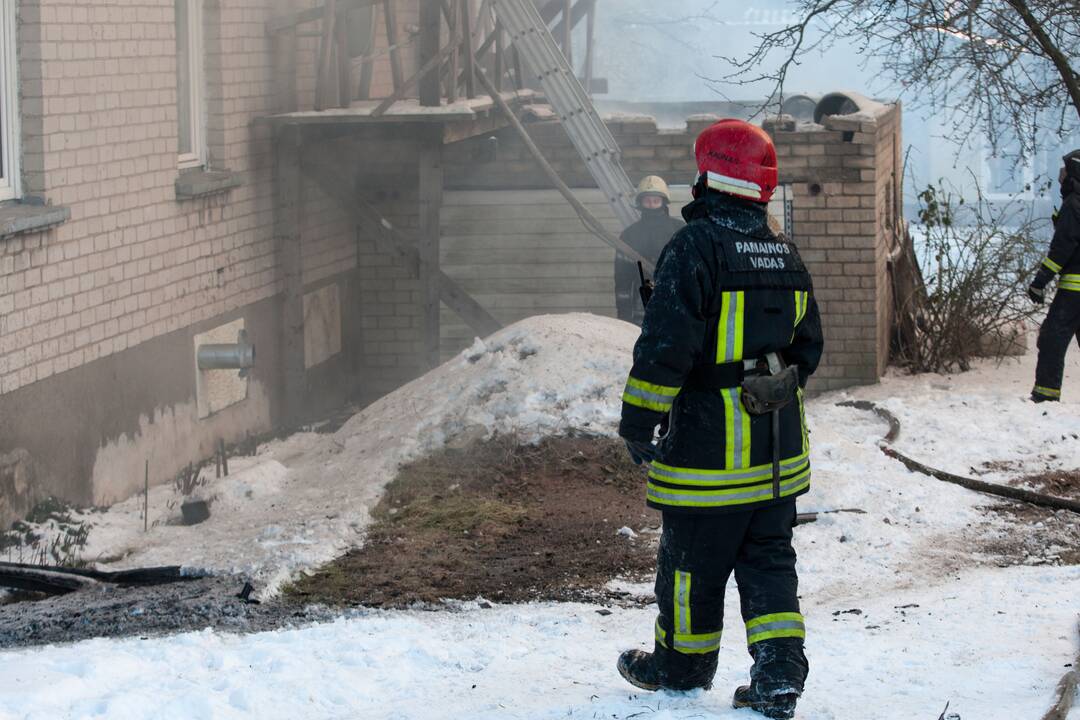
[804, 518]
[62, 580]
[1020, 494]
[1066, 693]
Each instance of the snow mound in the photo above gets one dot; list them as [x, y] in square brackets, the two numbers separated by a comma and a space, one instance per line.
[304, 500]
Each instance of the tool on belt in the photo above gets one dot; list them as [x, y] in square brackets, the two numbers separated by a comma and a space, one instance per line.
[770, 391]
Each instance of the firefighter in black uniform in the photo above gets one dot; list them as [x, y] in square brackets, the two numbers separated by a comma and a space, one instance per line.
[1062, 322]
[730, 337]
[648, 236]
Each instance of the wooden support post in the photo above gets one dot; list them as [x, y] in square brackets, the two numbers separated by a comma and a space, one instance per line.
[590, 46]
[326, 56]
[568, 32]
[390, 17]
[285, 65]
[344, 58]
[469, 48]
[430, 95]
[288, 220]
[452, 21]
[500, 63]
[431, 192]
[519, 76]
[367, 67]
[432, 64]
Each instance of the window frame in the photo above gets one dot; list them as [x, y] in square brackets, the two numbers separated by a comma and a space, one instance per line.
[11, 182]
[197, 99]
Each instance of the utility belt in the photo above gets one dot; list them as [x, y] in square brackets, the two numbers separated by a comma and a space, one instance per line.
[721, 376]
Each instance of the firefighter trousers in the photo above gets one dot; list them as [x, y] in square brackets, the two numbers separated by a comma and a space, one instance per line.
[697, 556]
[1061, 325]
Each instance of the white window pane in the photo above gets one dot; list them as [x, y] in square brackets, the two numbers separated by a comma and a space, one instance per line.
[183, 76]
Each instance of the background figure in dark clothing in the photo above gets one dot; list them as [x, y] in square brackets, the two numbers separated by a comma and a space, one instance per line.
[1062, 323]
[648, 236]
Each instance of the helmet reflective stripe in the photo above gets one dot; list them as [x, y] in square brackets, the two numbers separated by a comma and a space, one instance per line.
[725, 183]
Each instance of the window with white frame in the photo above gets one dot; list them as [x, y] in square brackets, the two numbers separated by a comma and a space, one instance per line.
[9, 104]
[190, 84]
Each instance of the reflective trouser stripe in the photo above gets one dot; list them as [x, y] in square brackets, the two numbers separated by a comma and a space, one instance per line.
[737, 430]
[1069, 282]
[682, 602]
[1052, 265]
[729, 333]
[689, 644]
[649, 395]
[1047, 392]
[776, 625]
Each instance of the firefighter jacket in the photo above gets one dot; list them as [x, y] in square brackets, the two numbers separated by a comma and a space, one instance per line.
[648, 236]
[1064, 257]
[727, 290]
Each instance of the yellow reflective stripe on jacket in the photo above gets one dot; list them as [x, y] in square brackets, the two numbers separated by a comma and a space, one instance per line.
[719, 478]
[1069, 282]
[1052, 265]
[687, 498]
[649, 395]
[776, 625]
[1047, 392]
[729, 332]
[802, 300]
[736, 430]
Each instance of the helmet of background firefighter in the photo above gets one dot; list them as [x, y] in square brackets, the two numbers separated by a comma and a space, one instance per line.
[736, 158]
[1070, 178]
[653, 186]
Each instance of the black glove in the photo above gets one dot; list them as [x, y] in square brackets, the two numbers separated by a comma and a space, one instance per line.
[640, 451]
[1037, 294]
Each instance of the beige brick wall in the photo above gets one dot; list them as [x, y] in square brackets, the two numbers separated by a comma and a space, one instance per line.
[134, 262]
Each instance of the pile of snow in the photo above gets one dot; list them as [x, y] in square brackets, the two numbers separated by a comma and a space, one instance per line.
[303, 501]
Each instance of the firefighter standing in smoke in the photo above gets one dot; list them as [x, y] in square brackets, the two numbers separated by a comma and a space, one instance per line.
[1062, 323]
[648, 236]
[730, 338]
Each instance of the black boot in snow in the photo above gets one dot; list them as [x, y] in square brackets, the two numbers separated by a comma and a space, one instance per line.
[662, 670]
[779, 706]
[1037, 398]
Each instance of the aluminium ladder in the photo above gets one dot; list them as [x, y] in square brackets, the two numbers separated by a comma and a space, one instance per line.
[588, 133]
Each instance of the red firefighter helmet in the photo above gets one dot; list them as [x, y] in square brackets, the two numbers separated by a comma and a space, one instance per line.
[737, 158]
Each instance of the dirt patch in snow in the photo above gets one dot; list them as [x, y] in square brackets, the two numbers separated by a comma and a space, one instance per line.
[502, 520]
[1036, 535]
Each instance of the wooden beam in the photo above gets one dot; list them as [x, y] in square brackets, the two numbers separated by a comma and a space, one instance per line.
[288, 246]
[399, 94]
[390, 17]
[500, 63]
[430, 202]
[469, 48]
[288, 20]
[323, 168]
[486, 124]
[430, 55]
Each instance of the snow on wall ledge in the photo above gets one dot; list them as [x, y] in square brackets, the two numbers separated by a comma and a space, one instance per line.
[303, 501]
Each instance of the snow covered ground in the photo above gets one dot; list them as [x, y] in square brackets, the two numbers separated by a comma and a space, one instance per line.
[936, 621]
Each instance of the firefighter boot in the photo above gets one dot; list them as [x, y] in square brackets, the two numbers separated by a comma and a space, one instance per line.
[779, 706]
[666, 670]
